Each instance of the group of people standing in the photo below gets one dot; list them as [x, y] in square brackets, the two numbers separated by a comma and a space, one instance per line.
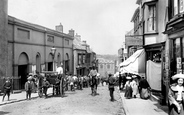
[134, 85]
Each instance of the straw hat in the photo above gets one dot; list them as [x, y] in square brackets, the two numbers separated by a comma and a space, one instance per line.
[128, 77]
[29, 78]
[178, 76]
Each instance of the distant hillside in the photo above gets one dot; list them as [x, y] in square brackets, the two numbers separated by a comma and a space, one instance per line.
[108, 57]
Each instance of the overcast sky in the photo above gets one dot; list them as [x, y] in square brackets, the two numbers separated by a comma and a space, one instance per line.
[102, 23]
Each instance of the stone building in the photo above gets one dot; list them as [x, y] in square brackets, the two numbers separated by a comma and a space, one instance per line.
[105, 67]
[26, 48]
[84, 57]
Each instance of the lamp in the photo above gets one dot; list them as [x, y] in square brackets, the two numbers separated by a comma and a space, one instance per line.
[53, 51]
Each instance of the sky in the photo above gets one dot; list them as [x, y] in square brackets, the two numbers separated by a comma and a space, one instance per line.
[102, 23]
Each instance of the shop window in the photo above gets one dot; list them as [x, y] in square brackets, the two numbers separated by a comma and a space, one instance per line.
[177, 54]
[152, 18]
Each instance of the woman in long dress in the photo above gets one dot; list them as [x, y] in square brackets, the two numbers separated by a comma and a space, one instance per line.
[128, 88]
[176, 96]
[134, 85]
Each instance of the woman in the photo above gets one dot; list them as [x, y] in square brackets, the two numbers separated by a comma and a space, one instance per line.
[134, 85]
[128, 88]
[176, 96]
[144, 88]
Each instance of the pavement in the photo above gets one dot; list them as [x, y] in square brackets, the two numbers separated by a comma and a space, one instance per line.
[20, 96]
[138, 106]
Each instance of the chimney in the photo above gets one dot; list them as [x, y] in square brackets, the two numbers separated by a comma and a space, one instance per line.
[78, 37]
[59, 28]
[71, 32]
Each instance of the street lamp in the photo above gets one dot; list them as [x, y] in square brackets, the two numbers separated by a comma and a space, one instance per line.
[53, 51]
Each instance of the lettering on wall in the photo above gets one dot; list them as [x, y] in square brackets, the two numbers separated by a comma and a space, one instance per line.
[50, 38]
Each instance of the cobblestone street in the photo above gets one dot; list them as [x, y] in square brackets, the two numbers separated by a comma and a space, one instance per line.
[79, 102]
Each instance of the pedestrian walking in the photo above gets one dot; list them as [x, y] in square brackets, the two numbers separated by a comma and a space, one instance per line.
[46, 85]
[134, 86]
[128, 88]
[176, 95]
[28, 88]
[144, 88]
[6, 88]
[111, 81]
[93, 75]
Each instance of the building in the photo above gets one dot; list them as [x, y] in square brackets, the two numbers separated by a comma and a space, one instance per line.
[105, 67]
[149, 21]
[27, 49]
[84, 57]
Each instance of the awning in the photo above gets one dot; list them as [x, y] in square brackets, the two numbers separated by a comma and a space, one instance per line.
[135, 63]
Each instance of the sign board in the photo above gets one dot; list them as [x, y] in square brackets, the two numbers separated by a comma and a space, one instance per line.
[133, 40]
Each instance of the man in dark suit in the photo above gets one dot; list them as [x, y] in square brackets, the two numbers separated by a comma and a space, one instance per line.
[111, 81]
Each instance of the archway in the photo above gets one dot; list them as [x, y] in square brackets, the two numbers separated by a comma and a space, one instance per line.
[23, 69]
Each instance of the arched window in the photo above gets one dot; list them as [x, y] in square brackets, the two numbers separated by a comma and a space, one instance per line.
[101, 66]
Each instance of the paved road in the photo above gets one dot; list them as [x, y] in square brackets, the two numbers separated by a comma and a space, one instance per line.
[76, 103]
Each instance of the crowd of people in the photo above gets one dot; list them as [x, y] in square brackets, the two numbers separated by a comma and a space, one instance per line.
[134, 85]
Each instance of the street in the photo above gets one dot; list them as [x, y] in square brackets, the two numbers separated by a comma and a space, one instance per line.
[79, 102]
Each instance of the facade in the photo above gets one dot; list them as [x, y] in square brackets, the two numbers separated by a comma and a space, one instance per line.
[105, 67]
[84, 57]
[29, 50]
[149, 20]
[175, 42]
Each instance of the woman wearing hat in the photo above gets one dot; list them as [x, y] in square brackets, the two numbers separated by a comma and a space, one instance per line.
[128, 88]
[176, 96]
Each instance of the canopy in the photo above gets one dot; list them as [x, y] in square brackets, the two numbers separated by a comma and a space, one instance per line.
[135, 64]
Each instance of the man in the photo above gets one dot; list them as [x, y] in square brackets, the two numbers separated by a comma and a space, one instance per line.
[111, 81]
[59, 71]
[46, 85]
[7, 87]
[28, 87]
[93, 76]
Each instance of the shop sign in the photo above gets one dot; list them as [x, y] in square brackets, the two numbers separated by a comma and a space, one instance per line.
[133, 41]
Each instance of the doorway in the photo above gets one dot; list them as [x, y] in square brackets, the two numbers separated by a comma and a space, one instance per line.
[23, 72]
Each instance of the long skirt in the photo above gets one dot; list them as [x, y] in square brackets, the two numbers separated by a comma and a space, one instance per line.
[173, 110]
[128, 92]
[145, 94]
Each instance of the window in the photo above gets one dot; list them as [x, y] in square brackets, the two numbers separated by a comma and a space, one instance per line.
[67, 42]
[23, 33]
[178, 6]
[79, 59]
[50, 38]
[152, 18]
[108, 66]
[84, 59]
[101, 66]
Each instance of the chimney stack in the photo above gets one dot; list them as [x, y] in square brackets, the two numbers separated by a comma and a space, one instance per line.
[71, 32]
[59, 28]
